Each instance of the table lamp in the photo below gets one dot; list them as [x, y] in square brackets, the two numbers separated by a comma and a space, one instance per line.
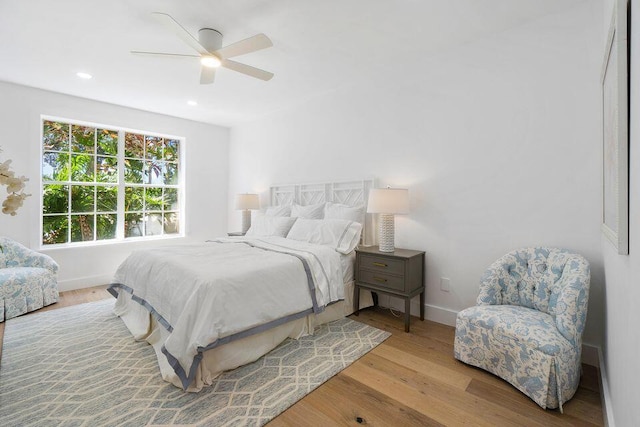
[245, 202]
[387, 202]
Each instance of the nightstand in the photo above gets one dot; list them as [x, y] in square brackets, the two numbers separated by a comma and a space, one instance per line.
[235, 233]
[399, 273]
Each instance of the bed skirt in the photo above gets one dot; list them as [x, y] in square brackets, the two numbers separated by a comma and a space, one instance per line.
[235, 353]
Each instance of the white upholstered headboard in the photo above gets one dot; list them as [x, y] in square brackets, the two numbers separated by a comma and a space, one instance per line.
[351, 193]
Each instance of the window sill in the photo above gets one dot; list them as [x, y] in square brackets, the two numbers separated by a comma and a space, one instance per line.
[130, 240]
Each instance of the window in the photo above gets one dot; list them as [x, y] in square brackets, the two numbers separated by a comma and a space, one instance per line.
[102, 183]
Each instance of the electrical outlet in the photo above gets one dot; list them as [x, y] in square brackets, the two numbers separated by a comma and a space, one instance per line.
[445, 284]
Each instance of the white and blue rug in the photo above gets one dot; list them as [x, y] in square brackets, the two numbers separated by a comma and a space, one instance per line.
[79, 366]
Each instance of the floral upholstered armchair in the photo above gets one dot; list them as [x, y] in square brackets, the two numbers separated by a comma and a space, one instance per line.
[28, 279]
[527, 326]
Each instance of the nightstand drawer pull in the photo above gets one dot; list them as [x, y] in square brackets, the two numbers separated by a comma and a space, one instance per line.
[384, 265]
[381, 280]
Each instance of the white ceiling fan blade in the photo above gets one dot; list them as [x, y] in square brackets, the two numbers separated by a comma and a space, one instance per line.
[257, 42]
[207, 75]
[176, 55]
[179, 30]
[247, 69]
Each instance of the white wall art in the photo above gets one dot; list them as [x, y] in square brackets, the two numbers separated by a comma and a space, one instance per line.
[615, 141]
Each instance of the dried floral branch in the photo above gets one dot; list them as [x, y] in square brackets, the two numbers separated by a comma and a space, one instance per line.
[15, 189]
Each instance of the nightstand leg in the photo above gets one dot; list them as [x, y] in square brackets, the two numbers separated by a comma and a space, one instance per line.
[356, 300]
[407, 313]
[422, 305]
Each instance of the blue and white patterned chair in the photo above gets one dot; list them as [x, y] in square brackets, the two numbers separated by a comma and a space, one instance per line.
[527, 326]
[28, 279]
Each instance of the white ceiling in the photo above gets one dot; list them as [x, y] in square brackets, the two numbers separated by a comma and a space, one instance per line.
[319, 46]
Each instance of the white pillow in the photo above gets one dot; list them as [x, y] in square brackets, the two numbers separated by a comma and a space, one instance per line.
[308, 211]
[264, 225]
[338, 211]
[341, 234]
[284, 210]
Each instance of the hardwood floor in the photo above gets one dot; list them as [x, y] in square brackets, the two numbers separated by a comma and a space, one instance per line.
[413, 379]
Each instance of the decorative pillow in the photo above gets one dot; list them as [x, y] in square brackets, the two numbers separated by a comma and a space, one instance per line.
[308, 211]
[338, 211]
[264, 225]
[341, 234]
[284, 210]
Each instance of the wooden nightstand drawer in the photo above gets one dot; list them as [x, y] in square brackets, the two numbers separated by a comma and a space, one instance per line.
[382, 264]
[383, 280]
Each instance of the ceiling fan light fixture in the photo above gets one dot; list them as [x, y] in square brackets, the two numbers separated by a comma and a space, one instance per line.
[210, 61]
[210, 51]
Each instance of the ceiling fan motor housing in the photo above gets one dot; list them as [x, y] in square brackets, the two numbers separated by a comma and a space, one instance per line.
[210, 39]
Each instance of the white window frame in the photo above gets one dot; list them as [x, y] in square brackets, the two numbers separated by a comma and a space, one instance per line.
[120, 231]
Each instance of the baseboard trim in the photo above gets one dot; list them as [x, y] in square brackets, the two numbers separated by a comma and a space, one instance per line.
[84, 282]
[590, 355]
[434, 313]
[439, 314]
[605, 394]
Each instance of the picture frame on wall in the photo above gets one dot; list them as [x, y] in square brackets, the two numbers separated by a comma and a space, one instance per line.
[615, 131]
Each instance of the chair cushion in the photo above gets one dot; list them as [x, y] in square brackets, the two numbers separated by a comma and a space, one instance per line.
[524, 326]
[25, 289]
[522, 346]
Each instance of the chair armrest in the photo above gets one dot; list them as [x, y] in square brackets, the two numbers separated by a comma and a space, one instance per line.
[36, 259]
[490, 288]
[571, 304]
[17, 255]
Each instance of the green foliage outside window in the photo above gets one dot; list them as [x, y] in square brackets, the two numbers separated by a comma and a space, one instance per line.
[80, 174]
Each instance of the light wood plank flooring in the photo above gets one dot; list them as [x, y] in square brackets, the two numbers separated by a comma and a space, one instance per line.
[413, 379]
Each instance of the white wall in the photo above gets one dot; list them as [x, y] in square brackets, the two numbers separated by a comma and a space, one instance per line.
[497, 140]
[207, 152]
[622, 272]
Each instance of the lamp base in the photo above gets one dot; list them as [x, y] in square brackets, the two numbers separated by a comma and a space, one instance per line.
[386, 233]
[246, 220]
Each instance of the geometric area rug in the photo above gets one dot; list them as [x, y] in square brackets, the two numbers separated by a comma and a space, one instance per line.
[79, 365]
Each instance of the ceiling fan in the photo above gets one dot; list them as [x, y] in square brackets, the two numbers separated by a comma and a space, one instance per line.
[211, 53]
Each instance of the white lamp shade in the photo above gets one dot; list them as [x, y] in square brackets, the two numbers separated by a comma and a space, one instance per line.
[388, 201]
[247, 201]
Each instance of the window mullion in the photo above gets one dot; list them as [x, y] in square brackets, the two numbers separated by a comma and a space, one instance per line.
[69, 186]
[95, 185]
[120, 216]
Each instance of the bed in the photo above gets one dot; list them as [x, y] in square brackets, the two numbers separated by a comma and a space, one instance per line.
[213, 306]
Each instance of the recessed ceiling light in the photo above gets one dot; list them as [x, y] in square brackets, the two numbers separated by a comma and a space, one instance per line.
[192, 103]
[85, 76]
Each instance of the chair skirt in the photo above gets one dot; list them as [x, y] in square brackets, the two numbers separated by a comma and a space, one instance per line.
[522, 346]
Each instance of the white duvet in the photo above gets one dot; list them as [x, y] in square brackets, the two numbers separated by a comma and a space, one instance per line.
[211, 293]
